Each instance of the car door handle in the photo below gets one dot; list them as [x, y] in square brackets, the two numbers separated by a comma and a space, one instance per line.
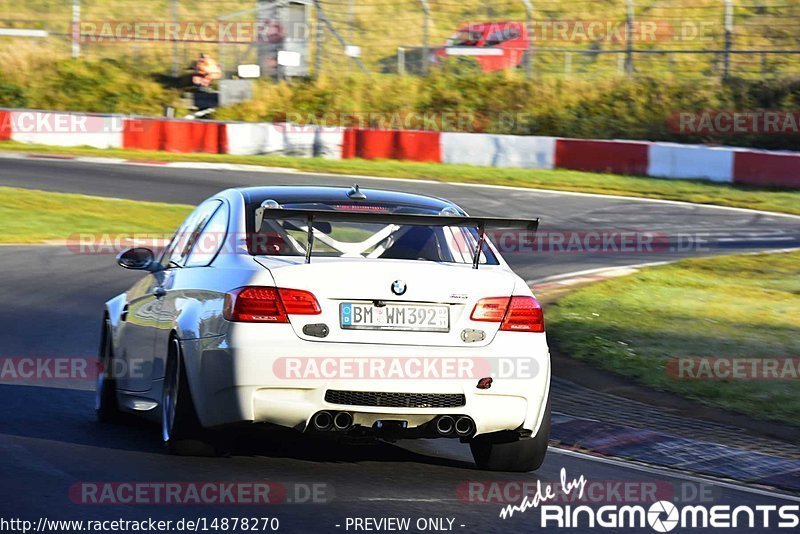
[159, 292]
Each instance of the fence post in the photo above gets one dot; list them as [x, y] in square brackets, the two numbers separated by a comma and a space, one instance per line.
[351, 25]
[322, 19]
[220, 51]
[318, 40]
[351, 12]
[76, 29]
[426, 22]
[726, 58]
[629, 36]
[401, 61]
[175, 42]
[529, 30]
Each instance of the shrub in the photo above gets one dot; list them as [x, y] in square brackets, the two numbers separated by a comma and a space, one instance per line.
[84, 85]
[636, 107]
[12, 95]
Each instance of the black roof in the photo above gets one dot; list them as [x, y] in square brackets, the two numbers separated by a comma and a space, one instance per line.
[254, 196]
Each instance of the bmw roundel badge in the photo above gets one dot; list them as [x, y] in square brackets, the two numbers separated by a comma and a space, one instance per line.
[398, 287]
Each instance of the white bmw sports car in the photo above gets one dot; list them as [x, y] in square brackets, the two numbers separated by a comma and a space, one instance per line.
[339, 311]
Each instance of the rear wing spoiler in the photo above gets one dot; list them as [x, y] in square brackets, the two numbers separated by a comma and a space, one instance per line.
[311, 216]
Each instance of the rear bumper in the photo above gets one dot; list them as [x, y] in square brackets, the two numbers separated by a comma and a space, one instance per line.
[294, 407]
[239, 378]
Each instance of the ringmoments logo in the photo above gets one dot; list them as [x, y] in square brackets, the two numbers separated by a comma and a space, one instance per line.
[660, 516]
[663, 516]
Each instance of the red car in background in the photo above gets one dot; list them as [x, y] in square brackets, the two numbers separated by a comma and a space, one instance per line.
[495, 45]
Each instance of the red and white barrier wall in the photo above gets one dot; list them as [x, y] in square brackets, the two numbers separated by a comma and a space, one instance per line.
[59, 129]
[617, 157]
[283, 139]
[411, 145]
[671, 160]
[661, 160]
[172, 135]
[492, 150]
[763, 168]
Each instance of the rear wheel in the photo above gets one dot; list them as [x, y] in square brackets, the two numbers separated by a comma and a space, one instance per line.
[106, 405]
[498, 453]
[180, 427]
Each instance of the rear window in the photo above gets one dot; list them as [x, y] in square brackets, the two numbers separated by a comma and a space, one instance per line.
[366, 240]
[500, 36]
[465, 37]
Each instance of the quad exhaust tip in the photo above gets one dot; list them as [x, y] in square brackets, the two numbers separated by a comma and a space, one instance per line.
[322, 421]
[464, 426]
[342, 421]
[325, 420]
[445, 425]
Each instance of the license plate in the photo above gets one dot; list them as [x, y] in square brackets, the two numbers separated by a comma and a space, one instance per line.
[413, 317]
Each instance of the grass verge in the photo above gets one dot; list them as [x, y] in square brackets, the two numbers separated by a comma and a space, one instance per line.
[701, 192]
[731, 306]
[29, 216]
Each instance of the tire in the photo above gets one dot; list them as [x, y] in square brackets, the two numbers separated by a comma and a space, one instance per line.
[496, 453]
[180, 428]
[106, 405]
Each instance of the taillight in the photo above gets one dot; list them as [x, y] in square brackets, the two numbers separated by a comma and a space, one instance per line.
[297, 301]
[268, 304]
[524, 315]
[254, 305]
[516, 314]
[491, 309]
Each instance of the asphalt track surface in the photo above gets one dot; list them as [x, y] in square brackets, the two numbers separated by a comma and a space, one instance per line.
[52, 299]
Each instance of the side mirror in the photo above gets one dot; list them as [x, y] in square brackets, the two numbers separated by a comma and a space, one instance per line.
[138, 258]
